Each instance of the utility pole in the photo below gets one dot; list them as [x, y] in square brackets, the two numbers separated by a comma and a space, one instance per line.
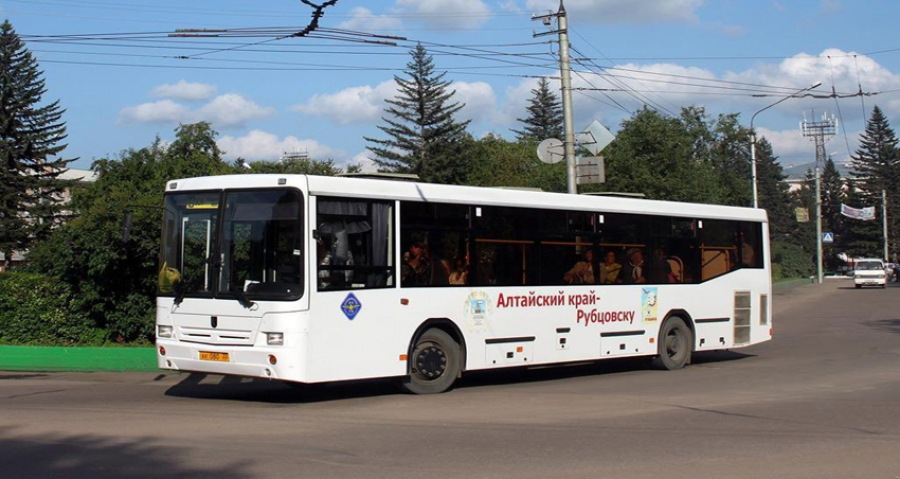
[885, 218]
[565, 73]
[819, 132]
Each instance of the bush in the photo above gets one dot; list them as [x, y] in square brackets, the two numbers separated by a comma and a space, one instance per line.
[790, 261]
[35, 309]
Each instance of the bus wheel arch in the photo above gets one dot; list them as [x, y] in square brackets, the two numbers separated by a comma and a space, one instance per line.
[435, 358]
[688, 320]
[676, 341]
[446, 325]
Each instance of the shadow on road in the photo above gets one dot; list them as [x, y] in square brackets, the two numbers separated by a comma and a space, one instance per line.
[203, 386]
[886, 325]
[99, 457]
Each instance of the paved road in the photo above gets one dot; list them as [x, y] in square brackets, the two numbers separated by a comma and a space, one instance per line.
[821, 401]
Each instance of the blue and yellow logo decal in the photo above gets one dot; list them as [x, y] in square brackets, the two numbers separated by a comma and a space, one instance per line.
[351, 306]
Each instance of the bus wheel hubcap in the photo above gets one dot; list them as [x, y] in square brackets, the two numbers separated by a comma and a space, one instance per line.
[431, 362]
[673, 343]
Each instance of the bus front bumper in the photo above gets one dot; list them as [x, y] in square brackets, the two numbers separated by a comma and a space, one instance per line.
[269, 363]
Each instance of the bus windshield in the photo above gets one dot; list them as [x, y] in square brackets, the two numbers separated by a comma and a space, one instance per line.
[256, 254]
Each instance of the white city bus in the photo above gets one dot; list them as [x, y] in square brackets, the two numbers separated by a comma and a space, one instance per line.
[315, 279]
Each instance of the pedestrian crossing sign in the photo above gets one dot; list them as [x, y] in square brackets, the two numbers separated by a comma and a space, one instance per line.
[828, 238]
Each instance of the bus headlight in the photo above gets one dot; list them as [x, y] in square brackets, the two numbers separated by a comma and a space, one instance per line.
[164, 331]
[275, 339]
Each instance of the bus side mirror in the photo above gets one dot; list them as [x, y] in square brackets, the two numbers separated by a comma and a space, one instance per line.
[126, 228]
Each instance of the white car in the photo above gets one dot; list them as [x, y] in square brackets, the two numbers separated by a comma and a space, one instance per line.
[869, 272]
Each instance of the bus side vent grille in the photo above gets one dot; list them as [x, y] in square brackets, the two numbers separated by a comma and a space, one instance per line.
[741, 317]
[763, 309]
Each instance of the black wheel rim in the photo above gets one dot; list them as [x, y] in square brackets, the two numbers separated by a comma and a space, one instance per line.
[430, 362]
[674, 343]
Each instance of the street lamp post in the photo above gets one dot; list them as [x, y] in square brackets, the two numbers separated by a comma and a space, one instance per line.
[753, 139]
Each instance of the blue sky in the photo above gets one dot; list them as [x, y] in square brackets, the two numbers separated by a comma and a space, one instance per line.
[323, 95]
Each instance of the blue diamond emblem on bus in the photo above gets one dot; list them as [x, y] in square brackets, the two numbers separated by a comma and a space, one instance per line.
[351, 306]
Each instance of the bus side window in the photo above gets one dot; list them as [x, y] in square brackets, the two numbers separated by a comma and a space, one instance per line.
[355, 244]
[719, 251]
[434, 238]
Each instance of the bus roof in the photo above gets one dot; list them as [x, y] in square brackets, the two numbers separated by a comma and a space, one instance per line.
[412, 191]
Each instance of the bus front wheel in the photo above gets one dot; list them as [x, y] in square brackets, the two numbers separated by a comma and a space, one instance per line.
[675, 345]
[434, 363]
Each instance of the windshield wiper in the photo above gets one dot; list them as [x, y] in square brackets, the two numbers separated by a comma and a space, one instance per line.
[241, 297]
[181, 289]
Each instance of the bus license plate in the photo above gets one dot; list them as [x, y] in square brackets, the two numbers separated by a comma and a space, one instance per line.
[207, 356]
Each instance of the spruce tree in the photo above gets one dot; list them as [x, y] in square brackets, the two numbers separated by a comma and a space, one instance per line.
[31, 138]
[860, 239]
[774, 193]
[876, 166]
[545, 115]
[424, 138]
[832, 220]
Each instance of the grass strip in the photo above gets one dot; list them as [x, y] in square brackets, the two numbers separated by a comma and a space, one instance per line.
[49, 358]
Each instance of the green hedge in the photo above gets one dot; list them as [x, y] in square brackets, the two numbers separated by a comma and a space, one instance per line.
[36, 309]
[790, 261]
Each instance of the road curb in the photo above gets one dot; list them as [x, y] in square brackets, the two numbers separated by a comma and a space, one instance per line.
[82, 359]
[790, 284]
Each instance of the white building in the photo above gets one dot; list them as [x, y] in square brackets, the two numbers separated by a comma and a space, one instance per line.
[73, 174]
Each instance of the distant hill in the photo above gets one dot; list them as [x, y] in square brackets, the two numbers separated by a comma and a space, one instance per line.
[798, 172]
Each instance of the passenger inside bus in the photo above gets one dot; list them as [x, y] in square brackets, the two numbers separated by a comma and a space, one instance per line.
[634, 270]
[748, 254]
[583, 271]
[417, 270]
[459, 275]
[610, 269]
[662, 270]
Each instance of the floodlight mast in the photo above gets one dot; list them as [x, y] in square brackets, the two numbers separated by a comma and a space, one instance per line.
[819, 132]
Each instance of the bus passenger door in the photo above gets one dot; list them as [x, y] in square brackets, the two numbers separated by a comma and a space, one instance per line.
[352, 334]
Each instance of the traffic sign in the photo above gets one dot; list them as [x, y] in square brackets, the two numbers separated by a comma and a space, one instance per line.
[595, 138]
[590, 170]
[551, 151]
[828, 237]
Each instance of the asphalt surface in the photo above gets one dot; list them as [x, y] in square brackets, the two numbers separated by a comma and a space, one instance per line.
[820, 401]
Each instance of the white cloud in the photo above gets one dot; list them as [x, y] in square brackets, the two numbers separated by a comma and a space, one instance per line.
[230, 109]
[793, 148]
[447, 13]
[803, 70]
[261, 145]
[163, 111]
[365, 104]
[350, 105]
[624, 11]
[830, 7]
[364, 20]
[788, 143]
[184, 90]
[480, 101]
[727, 29]
[364, 158]
[510, 6]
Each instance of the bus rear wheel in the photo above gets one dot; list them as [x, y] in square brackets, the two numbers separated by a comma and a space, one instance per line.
[675, 345]
[434, 363]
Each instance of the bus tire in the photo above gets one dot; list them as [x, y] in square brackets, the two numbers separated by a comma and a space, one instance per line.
[675, 345]
[434, 363]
